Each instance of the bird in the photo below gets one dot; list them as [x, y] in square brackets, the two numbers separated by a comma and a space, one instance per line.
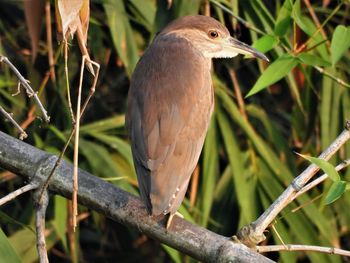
[169, 106]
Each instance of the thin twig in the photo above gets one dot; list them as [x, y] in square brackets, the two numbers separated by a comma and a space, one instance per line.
[277, 234]
[84, 50]
[65, 48]
[303, 46]
[40, 205]
[338, 80]
[30, 92]
[238, 93]
[253, 234]
[320, 179]
[59, 159]
[315, 19]
[16, 193]
[79, 112]
[71, 234]
[49, 41]
[8, 116]
[76, 148]
[292, 247]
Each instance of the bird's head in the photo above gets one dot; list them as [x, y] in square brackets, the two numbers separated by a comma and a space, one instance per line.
[210, 37]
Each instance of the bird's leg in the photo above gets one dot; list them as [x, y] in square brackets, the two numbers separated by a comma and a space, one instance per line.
[170, 219]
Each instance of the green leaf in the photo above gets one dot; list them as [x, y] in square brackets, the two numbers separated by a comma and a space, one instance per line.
[116, 143]
[173, 253]
[298, 18]
[308, 26]
[122, 33]
[336, 191]
[340, 43]
[276, 71]
[244, 183]
[144, 12]
[265, 43]
[7, 253]
[103, 125]
[6, 220]
[210, 170]
[347, 188]
[60, 219]
[24, 240]
[325, 166]
[283, 21]
[312, 60]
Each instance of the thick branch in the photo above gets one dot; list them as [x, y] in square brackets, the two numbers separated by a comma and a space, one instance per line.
[200, 243]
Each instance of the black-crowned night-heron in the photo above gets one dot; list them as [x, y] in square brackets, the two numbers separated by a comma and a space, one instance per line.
[170, 103]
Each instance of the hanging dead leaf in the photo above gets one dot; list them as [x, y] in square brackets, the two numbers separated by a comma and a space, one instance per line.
[67, 16]
[33, 10]
[73, 17]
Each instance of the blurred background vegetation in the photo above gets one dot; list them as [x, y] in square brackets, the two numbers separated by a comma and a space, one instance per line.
[248, 158]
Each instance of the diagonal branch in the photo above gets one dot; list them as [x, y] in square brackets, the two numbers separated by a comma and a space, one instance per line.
[253, 233]
[30, 92]
[200, 243]
[8, 116]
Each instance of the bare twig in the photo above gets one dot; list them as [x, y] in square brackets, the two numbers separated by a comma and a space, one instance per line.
[338, 80]
[86, 102]
[49, 41]
[40, 205]
[84, 51]
[76, 148]
[71, 234]
[65, 48]
[77, 126]
[7, 176]
[252, 234]
[303, 46]
[16, 193]
[320, 179]
[315, 19]
[292, 247]
[30, 92]
[8, 116]
[238, 93]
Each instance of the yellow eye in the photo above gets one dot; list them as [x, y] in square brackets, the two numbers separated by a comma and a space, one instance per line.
[213, 34]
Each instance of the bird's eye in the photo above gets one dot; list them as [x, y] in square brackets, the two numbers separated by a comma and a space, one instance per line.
[213, 34]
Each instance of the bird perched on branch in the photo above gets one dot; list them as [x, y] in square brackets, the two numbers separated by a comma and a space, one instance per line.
[170, 103]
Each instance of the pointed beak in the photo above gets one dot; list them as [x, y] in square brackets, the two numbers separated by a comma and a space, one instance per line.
[242, 48]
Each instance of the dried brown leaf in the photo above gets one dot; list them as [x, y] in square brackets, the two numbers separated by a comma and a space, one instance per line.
[33, 10]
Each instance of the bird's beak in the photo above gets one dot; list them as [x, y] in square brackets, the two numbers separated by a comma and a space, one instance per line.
[242, 48]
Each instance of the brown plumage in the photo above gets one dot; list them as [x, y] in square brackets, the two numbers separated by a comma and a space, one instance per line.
[170, 103]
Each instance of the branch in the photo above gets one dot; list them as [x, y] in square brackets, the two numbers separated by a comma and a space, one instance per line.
[253, 233]
[22, 133]
[320, 179]
[30, 92]
[16, 193]
[40, 205]
[292, 247]
[123, 207]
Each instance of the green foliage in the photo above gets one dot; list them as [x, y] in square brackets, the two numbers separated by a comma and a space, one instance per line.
[338, 186]
[248, 158]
